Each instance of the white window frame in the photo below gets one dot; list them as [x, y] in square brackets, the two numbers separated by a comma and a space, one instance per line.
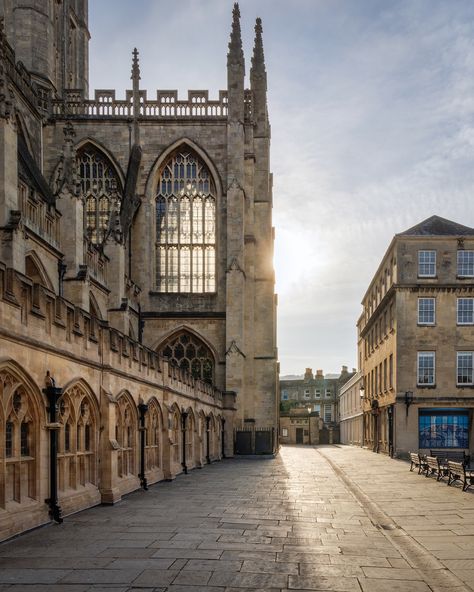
[469, 264]
[421, 255]
[458, 311]
[420, 301]
[307, 394]
[464, 354]
[425, 354]
[284, 432]
[328, 394]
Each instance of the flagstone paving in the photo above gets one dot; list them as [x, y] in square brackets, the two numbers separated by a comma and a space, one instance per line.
[319, 518]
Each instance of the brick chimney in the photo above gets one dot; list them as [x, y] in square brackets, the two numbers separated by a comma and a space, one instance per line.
[319, 374]
[308, 374]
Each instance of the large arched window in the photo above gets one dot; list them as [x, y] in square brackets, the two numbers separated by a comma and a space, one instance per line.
[101, 189]
[19, 429]
[126, 435]
[77, 440]
[190, 353]
[185, 225]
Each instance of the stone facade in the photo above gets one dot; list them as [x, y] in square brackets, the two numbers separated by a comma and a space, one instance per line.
[416, 341]
[317, 392]
[351, 424]
[298, 426]
[84, 292]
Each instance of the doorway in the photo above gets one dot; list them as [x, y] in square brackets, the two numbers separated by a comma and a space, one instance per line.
[299, 435]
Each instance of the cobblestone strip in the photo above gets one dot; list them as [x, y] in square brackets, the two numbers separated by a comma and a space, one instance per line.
[434, 573]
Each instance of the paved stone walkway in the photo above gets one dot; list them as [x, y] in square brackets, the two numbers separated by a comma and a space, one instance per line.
[326, 518]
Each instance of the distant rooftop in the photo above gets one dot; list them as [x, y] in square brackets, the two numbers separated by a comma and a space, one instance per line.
[437, 226]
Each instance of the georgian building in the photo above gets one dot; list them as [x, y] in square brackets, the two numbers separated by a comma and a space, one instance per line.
[318, 392]
[351, 420]
[135, 267]
[416, 342]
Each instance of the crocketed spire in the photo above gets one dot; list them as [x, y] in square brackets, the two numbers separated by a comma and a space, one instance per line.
[135, 66]
[235, 54]
[258, 59]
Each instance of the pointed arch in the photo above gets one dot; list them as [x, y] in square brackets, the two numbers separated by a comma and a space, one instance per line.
[102, 184]
[126, 434]
[188, 329]
[186, 190]
[154, 436]
[189, 351]
[100, 147]
[78, 437]
[36, 271]
[22, 415]
[184, 141]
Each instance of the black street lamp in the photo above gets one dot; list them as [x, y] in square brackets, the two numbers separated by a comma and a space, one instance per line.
[53, 394]
[309, 425]
[223, 437]
[208, 423]
[142, 410]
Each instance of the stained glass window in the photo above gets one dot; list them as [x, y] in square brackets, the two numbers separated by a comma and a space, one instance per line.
[443, 428]
[101, 190]
[188, 352]
[185, 226]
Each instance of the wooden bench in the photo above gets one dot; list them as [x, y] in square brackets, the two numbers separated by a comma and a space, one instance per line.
[435, 467]
[458, 472]
[417, 461]
[454, 455]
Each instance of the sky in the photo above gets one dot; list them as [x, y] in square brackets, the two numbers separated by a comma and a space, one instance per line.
[371, 104]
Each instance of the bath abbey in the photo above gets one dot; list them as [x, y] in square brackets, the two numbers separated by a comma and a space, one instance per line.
[137, 303]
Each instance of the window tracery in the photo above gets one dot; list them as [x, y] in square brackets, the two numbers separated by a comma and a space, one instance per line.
[101, 189]
[20, 440]
[185, 226]
[190, 353]
[125, 429]
[153, 424]
[77, 448]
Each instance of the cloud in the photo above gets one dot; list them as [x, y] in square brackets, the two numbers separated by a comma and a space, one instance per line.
[371, 105]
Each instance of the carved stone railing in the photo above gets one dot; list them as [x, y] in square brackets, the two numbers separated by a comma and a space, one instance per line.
[96, 262]
[166, 106]
[38, 216]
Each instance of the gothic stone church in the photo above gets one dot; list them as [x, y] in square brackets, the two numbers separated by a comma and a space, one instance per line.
[135, 269]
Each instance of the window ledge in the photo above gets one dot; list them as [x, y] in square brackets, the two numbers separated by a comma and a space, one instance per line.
[426, 386]
[465, 386]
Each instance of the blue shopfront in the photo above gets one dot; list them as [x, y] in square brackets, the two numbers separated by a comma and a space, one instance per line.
[444, 427]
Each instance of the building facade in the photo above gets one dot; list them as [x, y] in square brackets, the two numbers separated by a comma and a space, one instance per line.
[416, 342]
[135, 267]
[351, 420]
[318, 393]
[301, 425]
